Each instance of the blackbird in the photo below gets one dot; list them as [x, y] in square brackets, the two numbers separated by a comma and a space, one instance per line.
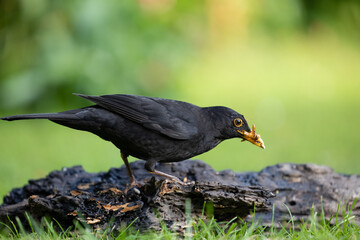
[154, 129]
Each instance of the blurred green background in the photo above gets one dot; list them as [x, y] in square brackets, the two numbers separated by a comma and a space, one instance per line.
[292, 67]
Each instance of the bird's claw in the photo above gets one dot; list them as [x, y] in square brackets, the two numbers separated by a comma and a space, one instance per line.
[174, 180]
[133, 185]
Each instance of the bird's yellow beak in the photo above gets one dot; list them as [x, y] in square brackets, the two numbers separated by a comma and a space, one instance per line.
[252, 137]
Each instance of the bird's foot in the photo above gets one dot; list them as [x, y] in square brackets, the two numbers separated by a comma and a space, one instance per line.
[133, 185]
[175, 180]
[168, 177]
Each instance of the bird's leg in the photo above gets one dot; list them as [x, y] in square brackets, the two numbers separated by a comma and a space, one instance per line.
[150, 166]
[131, 175]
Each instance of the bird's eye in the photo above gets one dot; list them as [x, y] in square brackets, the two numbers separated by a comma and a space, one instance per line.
[238, 122]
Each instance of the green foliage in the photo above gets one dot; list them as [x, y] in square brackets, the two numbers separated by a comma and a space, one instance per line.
[49, 49]
[53, 48]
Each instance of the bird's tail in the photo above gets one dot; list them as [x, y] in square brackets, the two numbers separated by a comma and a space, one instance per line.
[50, 116]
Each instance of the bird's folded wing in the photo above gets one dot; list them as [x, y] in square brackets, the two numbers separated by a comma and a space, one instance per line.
[163, 116]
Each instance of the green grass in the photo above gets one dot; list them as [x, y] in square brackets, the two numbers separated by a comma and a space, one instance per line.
[315, 227]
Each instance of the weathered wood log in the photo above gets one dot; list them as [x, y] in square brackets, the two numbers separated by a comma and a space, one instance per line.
[96, 198]
[303, 188]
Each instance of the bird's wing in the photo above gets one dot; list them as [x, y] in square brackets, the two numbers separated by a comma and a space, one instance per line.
[168, 117]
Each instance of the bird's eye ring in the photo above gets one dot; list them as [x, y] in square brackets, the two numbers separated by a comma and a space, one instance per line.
[238, 122]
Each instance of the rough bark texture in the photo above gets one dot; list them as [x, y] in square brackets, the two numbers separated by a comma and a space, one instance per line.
[95, 198]
[303, 187]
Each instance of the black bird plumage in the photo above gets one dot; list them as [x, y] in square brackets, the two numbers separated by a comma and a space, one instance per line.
[153, 129]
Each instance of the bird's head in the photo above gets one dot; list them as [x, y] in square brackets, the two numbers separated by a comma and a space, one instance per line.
[232, 124]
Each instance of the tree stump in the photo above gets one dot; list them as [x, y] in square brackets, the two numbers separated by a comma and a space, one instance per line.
[101, 199]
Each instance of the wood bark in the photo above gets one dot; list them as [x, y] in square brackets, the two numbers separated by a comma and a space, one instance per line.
[102, 200]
